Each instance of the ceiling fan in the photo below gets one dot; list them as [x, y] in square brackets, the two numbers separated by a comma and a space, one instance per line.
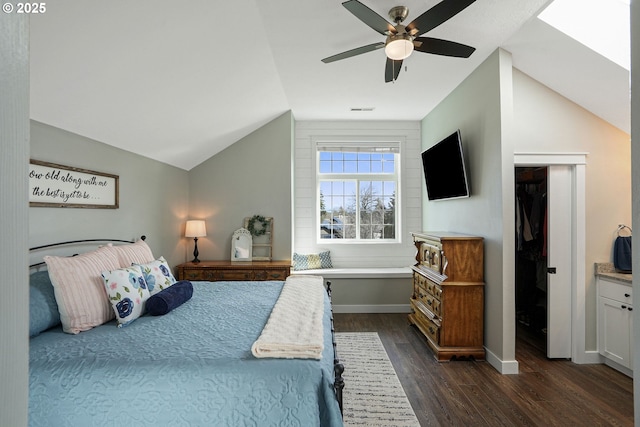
[403, 40]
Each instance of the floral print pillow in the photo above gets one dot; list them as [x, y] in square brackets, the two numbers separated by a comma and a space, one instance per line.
[127, 291]
[157, 274]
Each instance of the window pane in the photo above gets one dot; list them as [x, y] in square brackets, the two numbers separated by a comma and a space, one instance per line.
[360, 209]
[350, 188]
[388, 164]
[389, 188]
[376, 187]
[325, 187]
[325, 166]
[351, 166]
[337, 207]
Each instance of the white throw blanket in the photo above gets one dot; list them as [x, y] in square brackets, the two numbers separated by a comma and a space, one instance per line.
[294, 328]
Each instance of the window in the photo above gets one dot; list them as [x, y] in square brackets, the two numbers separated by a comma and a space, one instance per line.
[358, 186]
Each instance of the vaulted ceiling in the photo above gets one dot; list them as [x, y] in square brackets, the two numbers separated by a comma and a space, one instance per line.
[180, 81]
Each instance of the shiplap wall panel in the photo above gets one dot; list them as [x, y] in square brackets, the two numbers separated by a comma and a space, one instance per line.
[410, 192]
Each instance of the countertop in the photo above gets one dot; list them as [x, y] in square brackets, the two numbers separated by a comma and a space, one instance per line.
[606, 270]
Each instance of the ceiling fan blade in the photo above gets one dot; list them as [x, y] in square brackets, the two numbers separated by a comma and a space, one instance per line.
[442, 47]
[435, 16]
[369, 17]
[353, 52]
[392, 70]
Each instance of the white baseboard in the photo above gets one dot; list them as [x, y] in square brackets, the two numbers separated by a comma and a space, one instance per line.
[510, 367]
[589, 357]
[372, 308]
[610, 363]
[505, 367]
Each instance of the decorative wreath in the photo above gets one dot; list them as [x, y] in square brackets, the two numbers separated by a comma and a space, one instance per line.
[264, 223]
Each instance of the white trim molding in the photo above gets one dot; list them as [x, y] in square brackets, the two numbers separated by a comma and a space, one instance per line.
[505, 367]
[578, 244]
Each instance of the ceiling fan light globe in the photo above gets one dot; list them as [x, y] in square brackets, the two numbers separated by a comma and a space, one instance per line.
[398, 49]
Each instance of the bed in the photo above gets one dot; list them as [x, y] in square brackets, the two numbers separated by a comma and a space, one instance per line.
[193, 366]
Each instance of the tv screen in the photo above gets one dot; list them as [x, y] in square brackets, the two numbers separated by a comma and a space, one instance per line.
[444, 169]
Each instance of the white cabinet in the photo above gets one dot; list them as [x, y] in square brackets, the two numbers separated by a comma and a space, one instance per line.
[615, 324]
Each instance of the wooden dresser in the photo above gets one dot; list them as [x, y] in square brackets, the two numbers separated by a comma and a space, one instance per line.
[213, 271]
[448, 294]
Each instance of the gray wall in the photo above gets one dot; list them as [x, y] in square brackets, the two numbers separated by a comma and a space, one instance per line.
[501, 110]
[153, 196]
[546, 122]
[14, 155]
[476, 108]
[251, 177]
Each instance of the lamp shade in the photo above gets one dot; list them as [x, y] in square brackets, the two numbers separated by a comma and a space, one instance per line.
[195, 228]
[398, 47]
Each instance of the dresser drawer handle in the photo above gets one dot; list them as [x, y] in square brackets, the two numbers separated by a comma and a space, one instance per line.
[431, 330]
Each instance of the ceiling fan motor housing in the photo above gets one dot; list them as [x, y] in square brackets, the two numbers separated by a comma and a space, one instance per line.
[398, 13]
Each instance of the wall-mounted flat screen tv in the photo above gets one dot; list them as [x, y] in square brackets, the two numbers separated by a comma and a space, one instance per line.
[444, 169]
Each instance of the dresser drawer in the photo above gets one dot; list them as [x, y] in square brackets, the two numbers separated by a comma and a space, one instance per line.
[426, 325]
[205, 275]
[270, 274]
[232, 275]
[419, 281]
[615, 291]
[234, 271]
[434, 289]
[432, 304]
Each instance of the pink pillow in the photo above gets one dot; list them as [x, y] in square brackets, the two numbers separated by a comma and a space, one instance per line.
[80, 293]
[135, 253]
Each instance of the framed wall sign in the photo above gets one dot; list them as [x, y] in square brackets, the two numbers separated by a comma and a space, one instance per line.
[58, 186]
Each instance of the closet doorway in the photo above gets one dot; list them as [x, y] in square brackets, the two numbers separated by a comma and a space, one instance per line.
[543, 263]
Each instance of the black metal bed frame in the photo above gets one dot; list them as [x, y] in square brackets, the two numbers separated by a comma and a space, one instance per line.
[338, 367]
[71, 242]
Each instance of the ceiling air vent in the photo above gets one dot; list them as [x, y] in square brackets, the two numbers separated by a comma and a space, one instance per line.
[362, 109]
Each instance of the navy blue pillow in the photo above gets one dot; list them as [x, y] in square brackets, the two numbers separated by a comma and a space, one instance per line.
[169, 298]
[43, 308]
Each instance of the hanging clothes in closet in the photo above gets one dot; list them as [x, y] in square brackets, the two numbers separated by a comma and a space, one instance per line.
[531, 250]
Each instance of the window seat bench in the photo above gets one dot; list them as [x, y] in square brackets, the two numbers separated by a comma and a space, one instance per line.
[369, 289]
[359, 273]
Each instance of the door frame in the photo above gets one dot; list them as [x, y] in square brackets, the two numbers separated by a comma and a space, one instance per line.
[578, 162]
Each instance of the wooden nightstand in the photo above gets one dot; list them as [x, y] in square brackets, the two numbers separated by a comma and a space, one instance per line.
[213, 271]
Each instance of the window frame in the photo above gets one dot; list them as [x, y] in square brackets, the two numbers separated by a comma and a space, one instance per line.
[369, 146]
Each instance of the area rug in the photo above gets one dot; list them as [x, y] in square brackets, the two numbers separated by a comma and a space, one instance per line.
[373, 395]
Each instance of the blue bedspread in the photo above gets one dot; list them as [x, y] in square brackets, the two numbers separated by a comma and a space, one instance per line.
[191, 367]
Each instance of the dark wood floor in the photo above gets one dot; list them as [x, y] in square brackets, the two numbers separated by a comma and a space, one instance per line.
[472, 393]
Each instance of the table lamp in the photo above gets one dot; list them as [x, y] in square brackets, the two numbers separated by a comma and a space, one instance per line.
[195, 228]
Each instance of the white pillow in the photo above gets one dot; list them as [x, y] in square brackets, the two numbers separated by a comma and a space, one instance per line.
[134, 253]
[158, 275]
[77, 285]
[127, 292]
